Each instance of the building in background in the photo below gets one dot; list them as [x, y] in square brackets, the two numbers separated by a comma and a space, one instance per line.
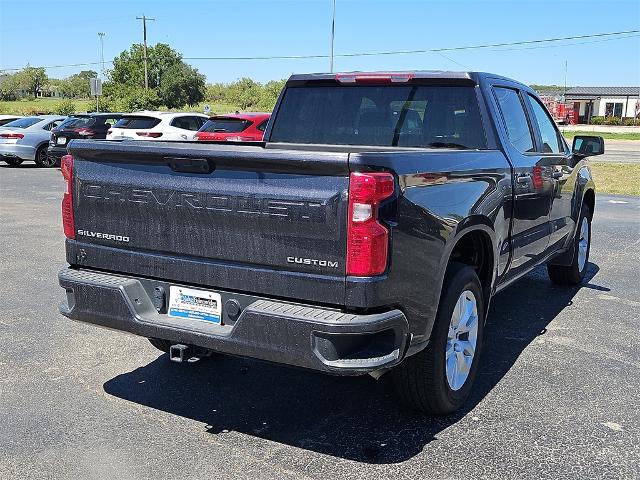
[589, 102]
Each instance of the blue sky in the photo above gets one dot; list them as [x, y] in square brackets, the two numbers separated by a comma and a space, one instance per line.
[65, 31]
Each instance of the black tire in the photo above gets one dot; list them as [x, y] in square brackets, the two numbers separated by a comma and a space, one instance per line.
[421, 380]
[574, 274]
[43, 159]
[13, 161]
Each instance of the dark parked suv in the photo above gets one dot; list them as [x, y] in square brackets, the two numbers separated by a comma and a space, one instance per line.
[90, 125]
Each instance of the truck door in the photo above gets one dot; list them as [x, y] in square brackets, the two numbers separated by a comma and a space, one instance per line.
[555, 159]
[532, 186]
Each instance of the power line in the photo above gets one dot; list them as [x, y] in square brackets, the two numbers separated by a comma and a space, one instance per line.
[430, 50]
[525, 44]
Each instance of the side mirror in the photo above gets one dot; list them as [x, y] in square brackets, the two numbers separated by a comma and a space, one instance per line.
[587, 146]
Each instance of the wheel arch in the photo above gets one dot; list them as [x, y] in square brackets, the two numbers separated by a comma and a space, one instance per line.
[474, 244]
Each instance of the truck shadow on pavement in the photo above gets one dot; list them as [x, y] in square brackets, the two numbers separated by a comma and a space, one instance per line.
[352, 418]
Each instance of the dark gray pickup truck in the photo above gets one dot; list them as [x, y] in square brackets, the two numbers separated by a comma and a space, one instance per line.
[367, 234]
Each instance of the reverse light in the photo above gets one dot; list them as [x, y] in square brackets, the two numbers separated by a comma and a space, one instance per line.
[12, 135]
[376, 77]
[149, 134]
[367, 238]
[239, 139]
[66, 167]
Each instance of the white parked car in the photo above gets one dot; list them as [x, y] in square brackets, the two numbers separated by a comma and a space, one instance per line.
[157, 126]
[27, 139]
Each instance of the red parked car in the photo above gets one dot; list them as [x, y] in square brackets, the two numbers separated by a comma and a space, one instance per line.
[234, 127]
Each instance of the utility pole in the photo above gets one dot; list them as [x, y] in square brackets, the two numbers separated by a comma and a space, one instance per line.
[101, 35]
[144, 32]
[333, 33]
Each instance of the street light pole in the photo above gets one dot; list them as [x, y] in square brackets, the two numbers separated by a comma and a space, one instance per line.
[101, 35]
[333, 33]
[144, 33]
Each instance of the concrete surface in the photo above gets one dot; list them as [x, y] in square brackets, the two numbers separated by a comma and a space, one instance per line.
[602, 128]
[557, 395]
[619, 151]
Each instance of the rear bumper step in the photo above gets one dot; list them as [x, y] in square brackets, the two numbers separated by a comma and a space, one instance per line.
[321, 339]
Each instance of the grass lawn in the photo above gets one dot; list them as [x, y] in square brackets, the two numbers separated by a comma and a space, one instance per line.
[606, 135]
[620, 178]
[39, 105]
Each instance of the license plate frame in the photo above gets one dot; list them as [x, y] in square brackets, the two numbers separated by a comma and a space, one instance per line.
[195, 304]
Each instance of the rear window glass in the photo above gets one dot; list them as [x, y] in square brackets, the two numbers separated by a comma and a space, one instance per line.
[23, 122]
[137, 122]
[77, 122]
[404, 116]
[225, 125]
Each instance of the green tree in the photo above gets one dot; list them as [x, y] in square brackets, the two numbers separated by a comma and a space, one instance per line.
[172, 81]
[9, 86]
[181, 85]
[216, 92]
[32, 79]
[244, 93]
[270, 93]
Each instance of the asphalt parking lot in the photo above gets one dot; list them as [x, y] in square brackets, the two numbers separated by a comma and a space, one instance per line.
[557, 395]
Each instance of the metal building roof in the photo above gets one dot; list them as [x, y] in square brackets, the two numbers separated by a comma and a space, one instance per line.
[589, 92]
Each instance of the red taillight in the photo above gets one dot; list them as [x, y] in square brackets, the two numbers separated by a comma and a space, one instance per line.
[367, 238]
[149, 134]
[12, 135]
[377, 77]
[66, 167]
[536, 178]
[85, 132]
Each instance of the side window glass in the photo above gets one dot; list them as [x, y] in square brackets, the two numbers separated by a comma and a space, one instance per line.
[515, 119]
[262, 127]
[52, 125]
[551, 142]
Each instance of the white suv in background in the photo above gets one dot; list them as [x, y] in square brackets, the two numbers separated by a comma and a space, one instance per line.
[149, 125]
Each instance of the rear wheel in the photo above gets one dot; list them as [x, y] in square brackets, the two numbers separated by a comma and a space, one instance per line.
[43, 159]
[438, 380]
[574, 274]
[13, 161]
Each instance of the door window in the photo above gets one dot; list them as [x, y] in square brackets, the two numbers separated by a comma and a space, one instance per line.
[515, 120]
[187, 123]
[551, 142]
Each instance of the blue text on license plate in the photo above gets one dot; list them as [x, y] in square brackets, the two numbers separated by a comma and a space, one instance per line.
[195, 304]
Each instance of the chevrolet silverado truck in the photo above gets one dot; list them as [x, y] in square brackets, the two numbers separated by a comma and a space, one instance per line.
[366, 234]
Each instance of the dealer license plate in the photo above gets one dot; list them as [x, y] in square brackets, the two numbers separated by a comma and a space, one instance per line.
[61, 140]
[195, 304]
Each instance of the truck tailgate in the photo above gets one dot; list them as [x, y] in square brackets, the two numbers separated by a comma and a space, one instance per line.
[233, 217]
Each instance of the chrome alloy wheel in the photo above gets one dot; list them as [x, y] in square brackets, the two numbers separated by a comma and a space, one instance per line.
[461, 340]
[583, 244]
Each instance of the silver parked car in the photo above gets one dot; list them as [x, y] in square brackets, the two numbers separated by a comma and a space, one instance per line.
[4, 119]
[27, 139]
